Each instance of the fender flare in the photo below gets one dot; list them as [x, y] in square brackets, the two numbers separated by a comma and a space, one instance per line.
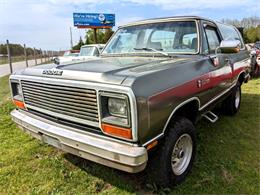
[178, 107]
[170, 117]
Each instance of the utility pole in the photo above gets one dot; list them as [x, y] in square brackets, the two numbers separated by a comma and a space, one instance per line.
[41, 55]
[95, 35]
[34, 55]
[25, 55]
[9, 56]
[71, 42]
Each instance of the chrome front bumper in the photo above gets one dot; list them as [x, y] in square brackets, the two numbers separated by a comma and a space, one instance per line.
[100, 149]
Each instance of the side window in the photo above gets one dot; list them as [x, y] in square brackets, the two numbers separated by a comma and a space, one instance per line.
[205, 47]
[213, 39]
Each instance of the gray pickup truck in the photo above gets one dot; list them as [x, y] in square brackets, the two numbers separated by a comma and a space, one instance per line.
[155, 78]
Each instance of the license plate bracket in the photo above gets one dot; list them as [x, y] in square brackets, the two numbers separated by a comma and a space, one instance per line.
[51, 141]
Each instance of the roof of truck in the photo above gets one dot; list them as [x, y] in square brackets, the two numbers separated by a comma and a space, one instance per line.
[166, 19]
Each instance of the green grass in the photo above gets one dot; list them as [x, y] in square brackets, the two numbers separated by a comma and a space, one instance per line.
[4, 89]
[228, 159]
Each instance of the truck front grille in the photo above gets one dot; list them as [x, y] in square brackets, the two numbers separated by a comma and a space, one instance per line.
[71, 103]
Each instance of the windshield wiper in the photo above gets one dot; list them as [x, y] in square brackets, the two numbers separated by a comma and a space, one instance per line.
[152, 49]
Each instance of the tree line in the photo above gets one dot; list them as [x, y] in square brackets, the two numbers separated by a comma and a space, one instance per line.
[17, 50]
[250, 25]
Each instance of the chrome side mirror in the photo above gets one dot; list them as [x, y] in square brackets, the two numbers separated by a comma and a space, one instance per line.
[229, 46]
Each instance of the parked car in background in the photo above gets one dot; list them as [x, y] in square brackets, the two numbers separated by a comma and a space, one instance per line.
[71, 53]
[154, 80]
[255, 59]
[257, 47]
[66, 56]
[86, 52]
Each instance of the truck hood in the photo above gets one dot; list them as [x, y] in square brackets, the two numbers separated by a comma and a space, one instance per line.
[111, 70]
[70, 59]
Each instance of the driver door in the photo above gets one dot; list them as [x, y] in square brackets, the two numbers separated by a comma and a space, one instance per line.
[220, 67]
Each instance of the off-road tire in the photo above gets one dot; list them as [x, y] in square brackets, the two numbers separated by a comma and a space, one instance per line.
[161, 167]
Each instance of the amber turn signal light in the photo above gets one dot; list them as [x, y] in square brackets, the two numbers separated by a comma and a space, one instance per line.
[117, 131]
[19, 104]
[151, 145]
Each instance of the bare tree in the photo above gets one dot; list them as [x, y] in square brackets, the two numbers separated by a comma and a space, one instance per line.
[246, 23]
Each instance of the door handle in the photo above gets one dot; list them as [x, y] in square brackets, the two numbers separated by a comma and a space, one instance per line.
[203, 82]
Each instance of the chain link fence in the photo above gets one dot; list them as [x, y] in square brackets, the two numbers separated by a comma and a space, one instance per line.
[38, 56]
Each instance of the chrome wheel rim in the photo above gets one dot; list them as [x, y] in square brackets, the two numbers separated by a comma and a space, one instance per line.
[181, 154]
[237, 98]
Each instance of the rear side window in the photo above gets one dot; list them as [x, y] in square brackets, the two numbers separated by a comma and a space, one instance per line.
[213, 39]
[230, 33]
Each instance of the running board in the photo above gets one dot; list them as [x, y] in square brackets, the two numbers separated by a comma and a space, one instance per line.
[210, 116]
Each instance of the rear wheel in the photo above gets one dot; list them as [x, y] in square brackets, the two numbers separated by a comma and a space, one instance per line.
[174, 158]
[232, 104]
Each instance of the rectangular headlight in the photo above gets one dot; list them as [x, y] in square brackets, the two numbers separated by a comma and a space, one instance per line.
[17, 94]
[17, 91]
[115, 109]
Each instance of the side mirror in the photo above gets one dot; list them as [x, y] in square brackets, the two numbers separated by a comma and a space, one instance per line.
[228, 46]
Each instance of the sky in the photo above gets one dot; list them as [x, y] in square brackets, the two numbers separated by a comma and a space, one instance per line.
[45, 23]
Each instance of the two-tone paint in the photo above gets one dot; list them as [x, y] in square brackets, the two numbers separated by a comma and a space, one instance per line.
[160, 85]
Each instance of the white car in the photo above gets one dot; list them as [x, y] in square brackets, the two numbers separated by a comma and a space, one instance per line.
[86, 52]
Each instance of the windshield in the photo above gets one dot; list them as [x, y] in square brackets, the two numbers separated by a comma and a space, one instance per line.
[87, 51]
[168, 37]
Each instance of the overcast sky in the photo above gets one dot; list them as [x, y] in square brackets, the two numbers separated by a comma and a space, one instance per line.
[45, 24]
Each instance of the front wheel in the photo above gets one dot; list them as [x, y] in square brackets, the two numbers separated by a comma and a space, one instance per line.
[174, 159]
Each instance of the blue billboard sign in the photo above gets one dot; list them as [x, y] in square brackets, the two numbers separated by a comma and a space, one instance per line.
[93, 20]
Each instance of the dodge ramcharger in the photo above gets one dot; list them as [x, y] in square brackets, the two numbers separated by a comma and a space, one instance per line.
[141, 99]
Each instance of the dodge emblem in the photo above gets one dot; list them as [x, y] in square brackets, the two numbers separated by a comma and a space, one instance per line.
[52, 72]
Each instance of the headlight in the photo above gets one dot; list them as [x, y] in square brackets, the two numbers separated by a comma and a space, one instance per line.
[115, 114]
[117, 107]
[17, 91]
[17, 94]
